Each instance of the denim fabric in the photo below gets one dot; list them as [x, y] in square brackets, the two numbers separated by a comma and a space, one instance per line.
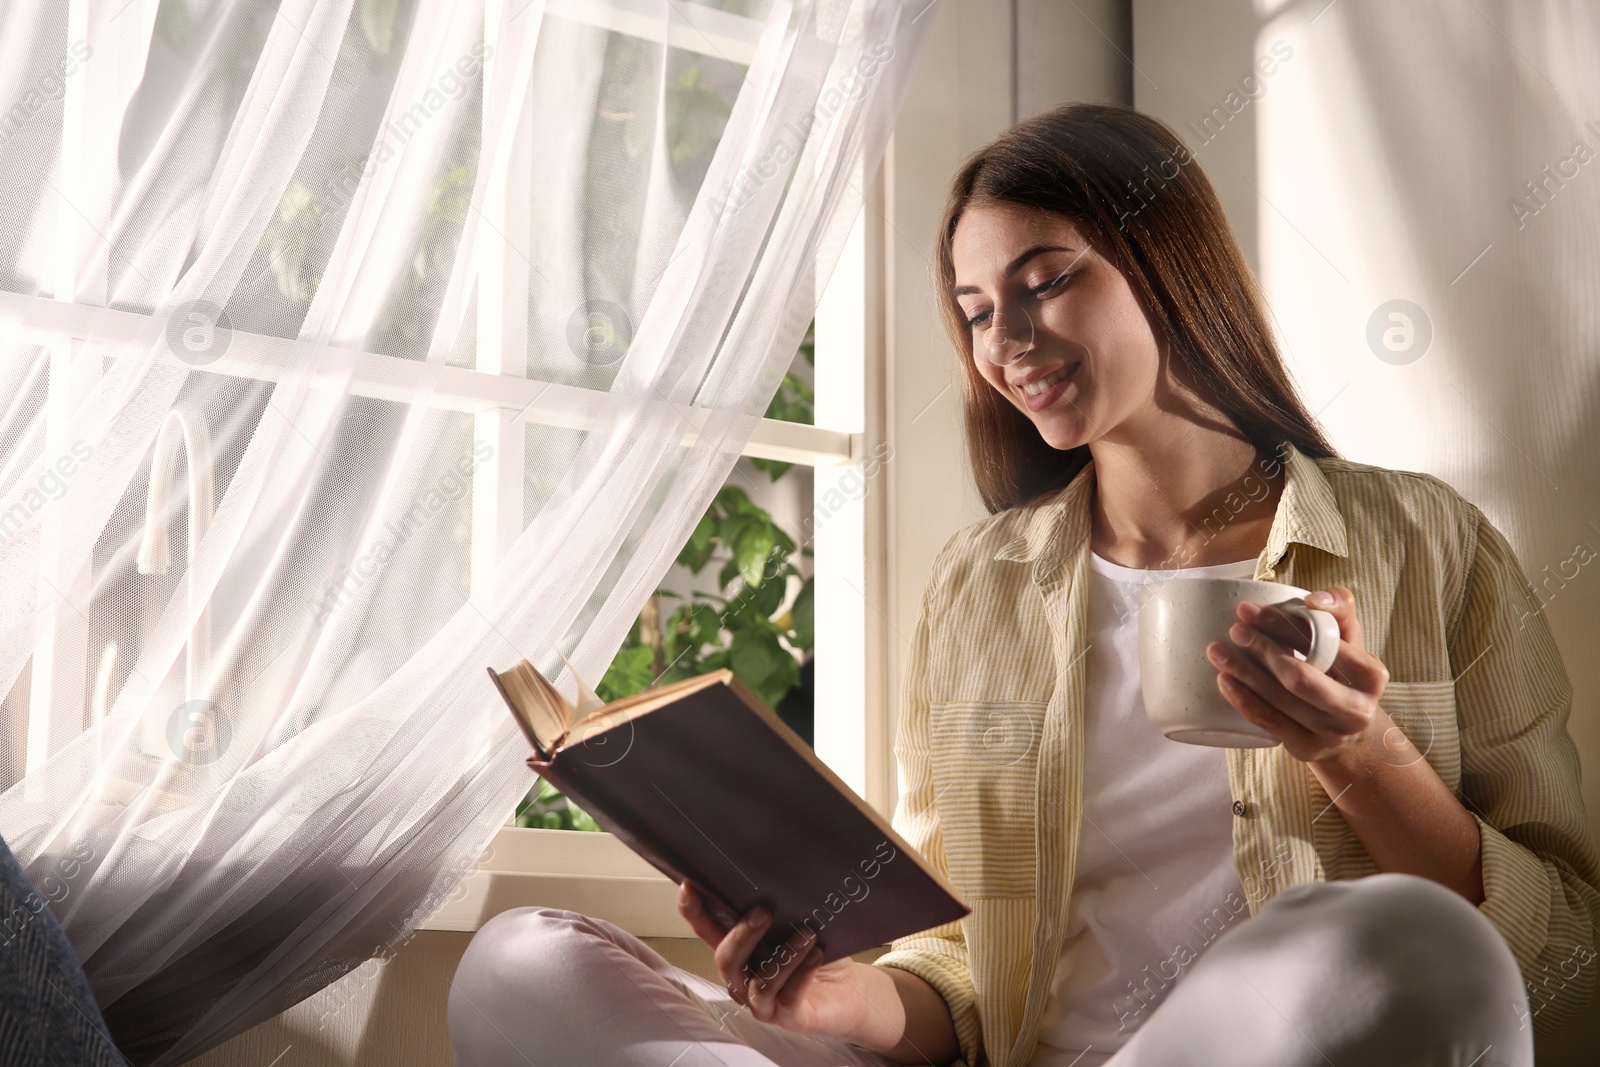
[48, 1017]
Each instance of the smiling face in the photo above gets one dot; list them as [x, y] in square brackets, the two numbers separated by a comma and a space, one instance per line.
[1055, 327]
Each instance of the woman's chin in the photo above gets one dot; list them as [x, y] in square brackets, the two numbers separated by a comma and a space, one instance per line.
[1061, 438]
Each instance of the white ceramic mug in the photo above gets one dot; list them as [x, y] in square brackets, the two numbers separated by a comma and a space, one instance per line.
[1178, 619]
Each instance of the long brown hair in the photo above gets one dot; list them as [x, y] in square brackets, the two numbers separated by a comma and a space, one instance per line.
[1128, 182]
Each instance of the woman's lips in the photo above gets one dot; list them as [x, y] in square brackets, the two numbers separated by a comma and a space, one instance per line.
[1054, 393]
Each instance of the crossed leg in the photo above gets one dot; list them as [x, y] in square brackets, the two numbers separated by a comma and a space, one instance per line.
[1390, 970]
[556, 988]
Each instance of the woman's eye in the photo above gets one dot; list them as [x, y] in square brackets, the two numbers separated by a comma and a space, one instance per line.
[1040, 290]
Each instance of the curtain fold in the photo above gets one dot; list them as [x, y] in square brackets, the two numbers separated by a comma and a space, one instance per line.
[349, 348]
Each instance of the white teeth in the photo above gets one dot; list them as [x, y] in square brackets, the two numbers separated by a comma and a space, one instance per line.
[1035, 388]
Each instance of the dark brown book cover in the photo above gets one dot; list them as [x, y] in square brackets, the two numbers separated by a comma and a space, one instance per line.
[712, 786]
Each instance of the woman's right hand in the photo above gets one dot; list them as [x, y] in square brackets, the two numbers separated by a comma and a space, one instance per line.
[794, 989]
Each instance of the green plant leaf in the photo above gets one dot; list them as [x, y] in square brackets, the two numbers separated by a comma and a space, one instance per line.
[752, 550]
[802, 616]
[706, 631]
[733, 526]
[772, 468]
[736, 501]
[580, 819]
[448, 201]
[763, 664]
[630, 672]
[793, 402]
[544, 808]
[705, 623]
[783, 545]
[702, 542]
[290, 237]
[377, 24]
[695, 116]
[762, 600]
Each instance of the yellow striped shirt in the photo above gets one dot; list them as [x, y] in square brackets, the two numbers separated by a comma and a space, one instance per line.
[989, 741]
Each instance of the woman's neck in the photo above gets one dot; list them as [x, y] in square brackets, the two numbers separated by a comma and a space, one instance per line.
[1186, 503]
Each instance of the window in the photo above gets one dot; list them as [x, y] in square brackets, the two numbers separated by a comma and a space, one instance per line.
[829, 482]
[499, 394]
[740, 596]
[597, 874]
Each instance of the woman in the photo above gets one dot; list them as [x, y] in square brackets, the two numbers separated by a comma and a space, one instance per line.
[1392, 884]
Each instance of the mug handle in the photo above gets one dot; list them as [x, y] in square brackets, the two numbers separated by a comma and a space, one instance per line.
[1325, 633]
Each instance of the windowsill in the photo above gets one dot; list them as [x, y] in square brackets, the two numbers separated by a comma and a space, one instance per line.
[580, 870]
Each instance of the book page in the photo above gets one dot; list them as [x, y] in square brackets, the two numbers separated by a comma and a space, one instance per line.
[541, 708]
[640, 703]
[588, 701]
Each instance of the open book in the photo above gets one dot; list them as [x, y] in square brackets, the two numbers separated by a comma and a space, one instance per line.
[705, 782]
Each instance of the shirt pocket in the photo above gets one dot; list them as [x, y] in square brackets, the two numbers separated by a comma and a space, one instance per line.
[1426, 713]
[985, 780]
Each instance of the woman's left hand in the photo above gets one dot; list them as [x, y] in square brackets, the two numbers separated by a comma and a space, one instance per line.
[1317, 716]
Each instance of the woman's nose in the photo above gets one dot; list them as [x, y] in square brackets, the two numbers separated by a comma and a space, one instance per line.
[1006, 341]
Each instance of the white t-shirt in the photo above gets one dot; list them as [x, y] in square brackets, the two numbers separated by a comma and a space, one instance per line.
[1155, 881]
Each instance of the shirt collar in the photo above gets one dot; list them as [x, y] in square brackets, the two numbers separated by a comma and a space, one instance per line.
[1307, 512]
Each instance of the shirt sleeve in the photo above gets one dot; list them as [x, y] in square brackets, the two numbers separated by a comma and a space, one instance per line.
[1520, 780]
[938, 956]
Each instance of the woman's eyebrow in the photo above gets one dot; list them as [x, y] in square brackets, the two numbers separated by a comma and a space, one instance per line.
[1011, 268]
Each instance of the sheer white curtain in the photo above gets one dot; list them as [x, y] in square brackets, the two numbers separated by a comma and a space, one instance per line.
[349, 347]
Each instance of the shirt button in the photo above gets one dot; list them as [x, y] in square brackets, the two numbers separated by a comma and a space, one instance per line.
[1238, 807]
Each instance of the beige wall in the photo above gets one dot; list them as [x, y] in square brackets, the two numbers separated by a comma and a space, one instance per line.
[1190, 56]
[390, 1014]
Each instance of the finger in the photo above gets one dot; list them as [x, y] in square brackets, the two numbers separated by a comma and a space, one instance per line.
[1294, 687]
[1340, 602]
[1352, 665]
[1278, 624]
[769, 978]
[704, 925]
[774, 976]
[1244, 666]
[734, 951]
[1293, 735]
[794, 990]
[1344, 609]
[1337, 699]
[1271, 668]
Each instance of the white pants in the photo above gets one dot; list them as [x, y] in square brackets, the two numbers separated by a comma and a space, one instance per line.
[1391, 970]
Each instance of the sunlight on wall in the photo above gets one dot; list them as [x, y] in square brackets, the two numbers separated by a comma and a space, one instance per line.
[1334, 247]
